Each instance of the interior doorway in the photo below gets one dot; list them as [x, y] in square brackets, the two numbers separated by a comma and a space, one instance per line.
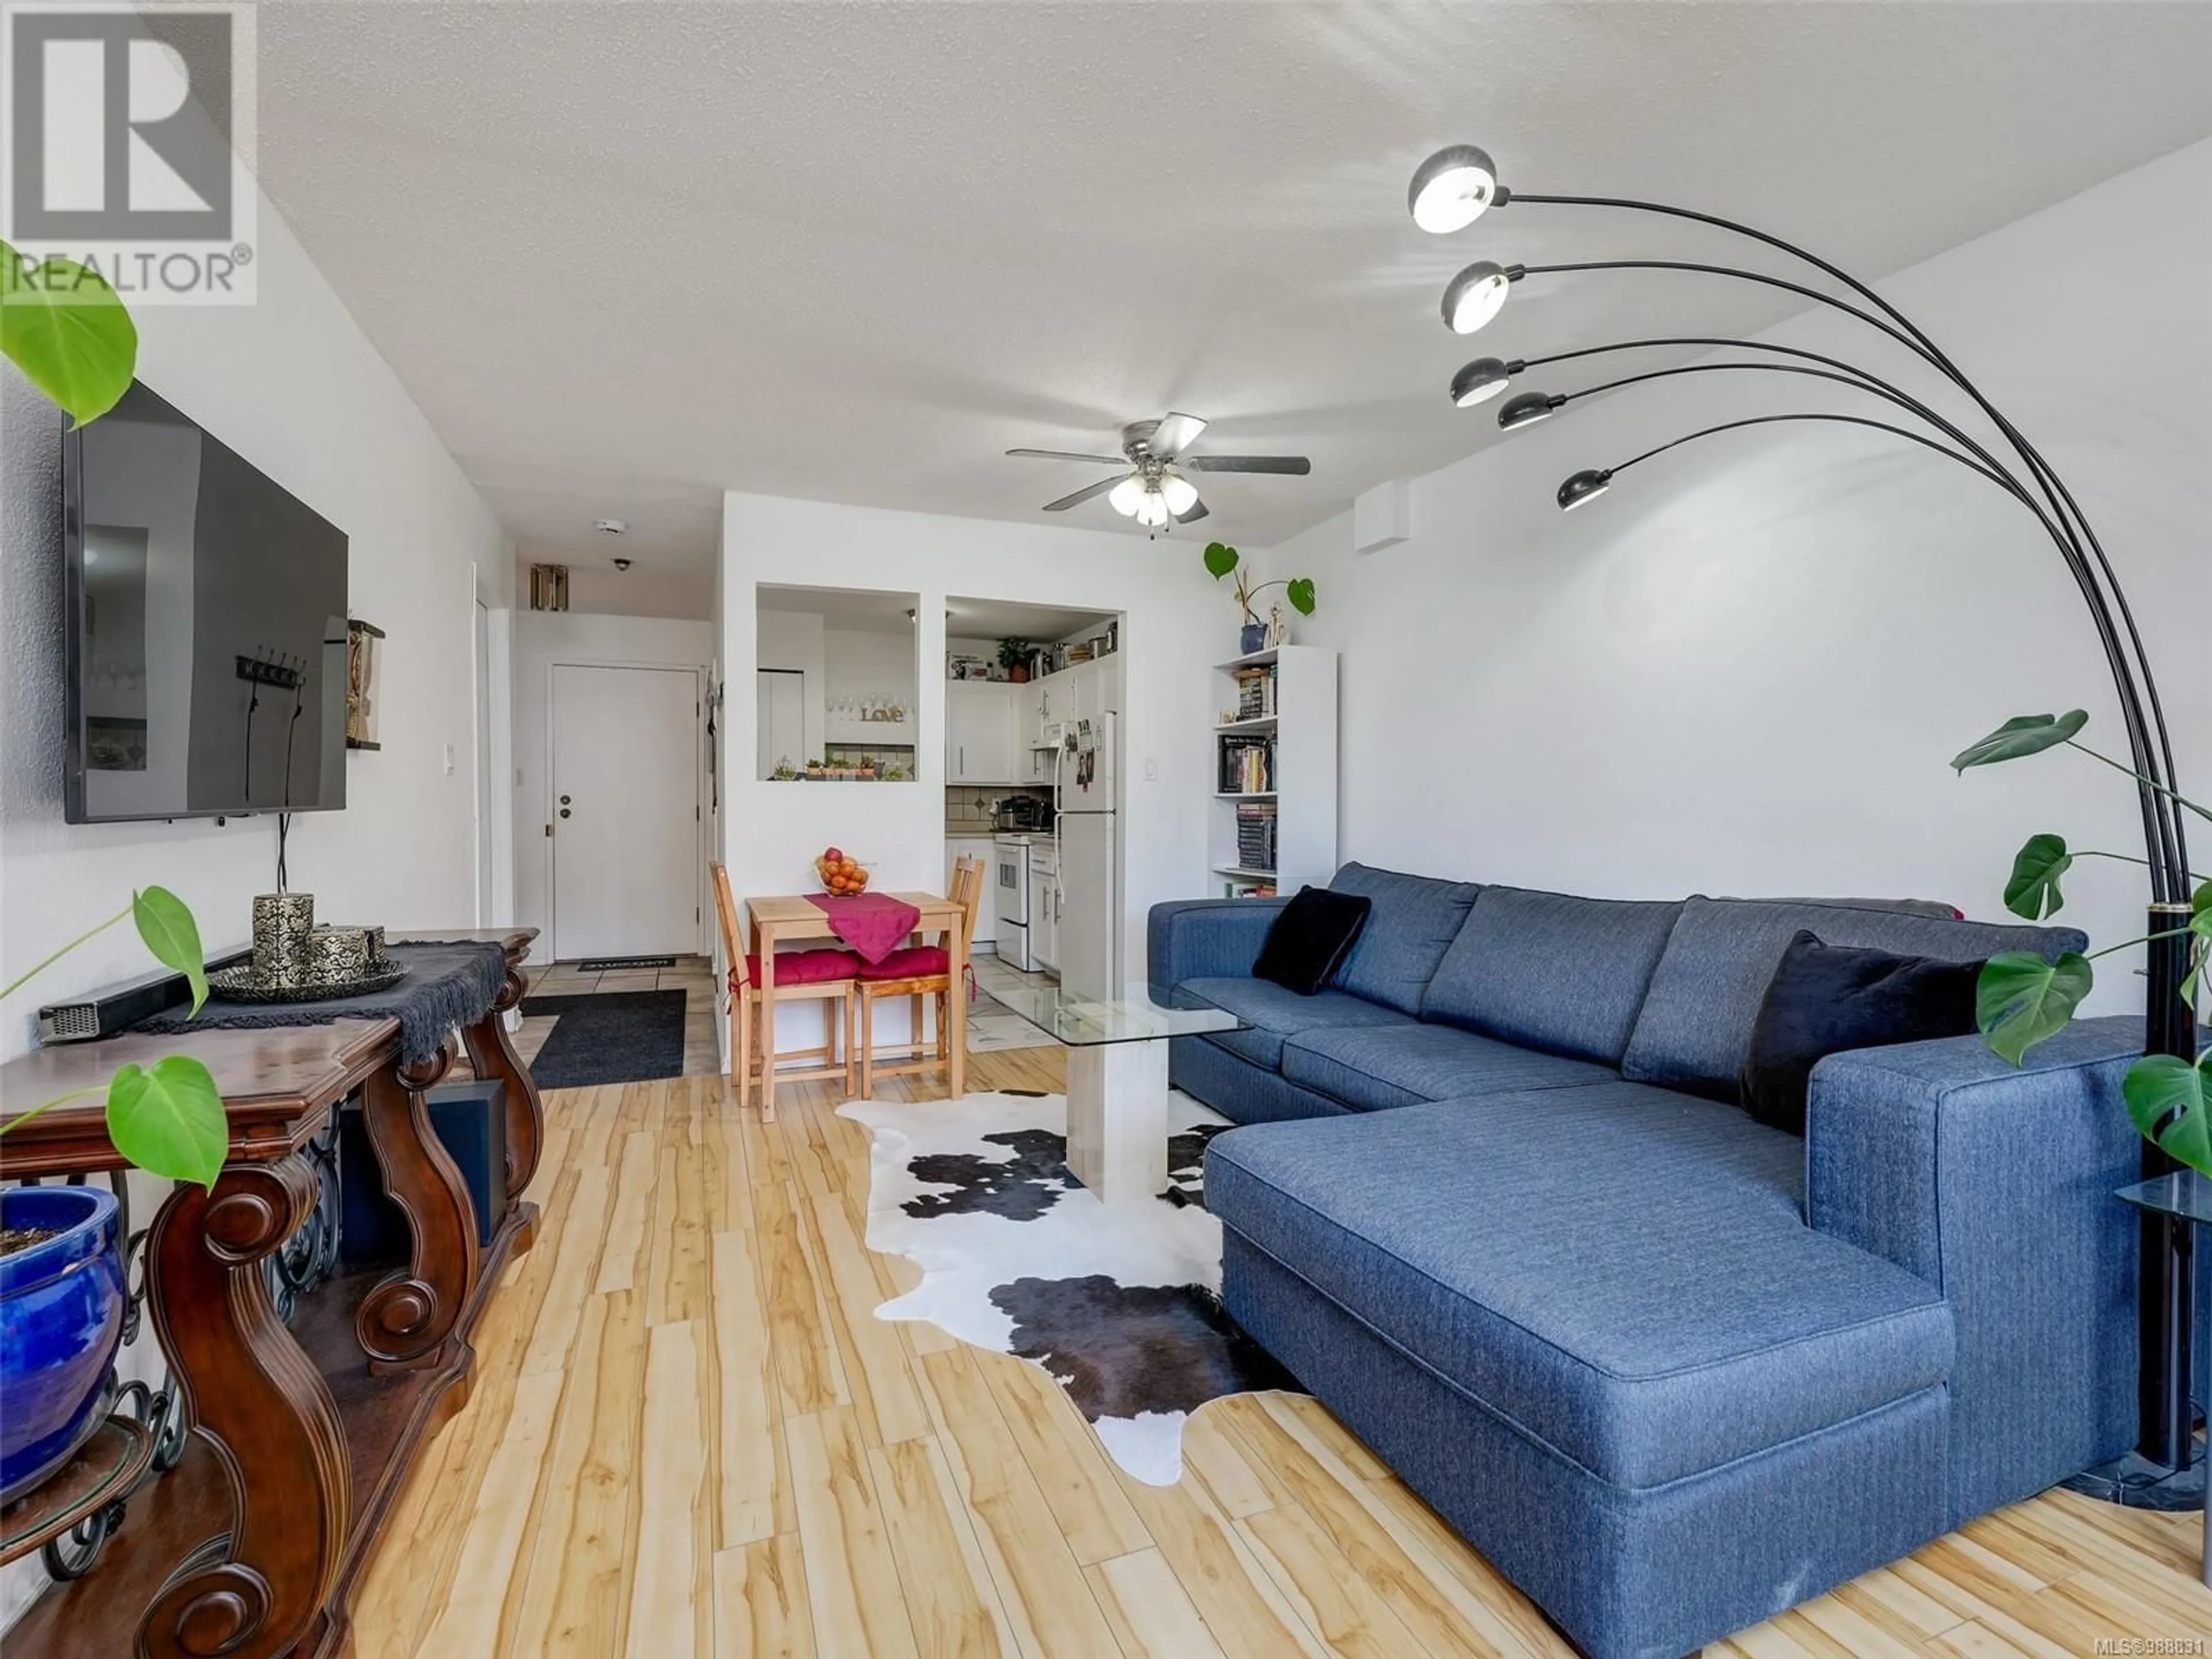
[625, 811]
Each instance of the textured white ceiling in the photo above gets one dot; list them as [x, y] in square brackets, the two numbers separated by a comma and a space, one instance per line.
[627, 255]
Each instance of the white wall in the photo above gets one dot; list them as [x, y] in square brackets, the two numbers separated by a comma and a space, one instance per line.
[543, 639]
[293, 386]
[791, 641]
[1176, 626]
[1744, 668]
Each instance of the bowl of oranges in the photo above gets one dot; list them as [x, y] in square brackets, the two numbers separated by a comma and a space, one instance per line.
[840, 871]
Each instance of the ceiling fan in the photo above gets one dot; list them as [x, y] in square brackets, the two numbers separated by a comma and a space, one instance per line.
[1154, 491]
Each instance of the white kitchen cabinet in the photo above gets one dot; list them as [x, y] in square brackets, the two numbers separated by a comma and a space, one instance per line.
[980, 734]
[986, 921]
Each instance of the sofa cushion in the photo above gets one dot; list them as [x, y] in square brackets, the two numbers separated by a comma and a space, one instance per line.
[1374, 1067]
[1619, 1272]
[1273, 1013]
[1310, 938]
[1694, 1029]
[1414, 919]
[1551, 971]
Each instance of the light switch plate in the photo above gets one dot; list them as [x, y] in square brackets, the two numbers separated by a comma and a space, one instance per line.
[449, 760]
[1151, 769]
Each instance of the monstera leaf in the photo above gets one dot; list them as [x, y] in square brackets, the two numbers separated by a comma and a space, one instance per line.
[168, 1118]
[63, 325]
[1299, 591]
[2021, 1000]
[1220, 559]
[2021, 735]
[2168, 1099]
[2033, 892]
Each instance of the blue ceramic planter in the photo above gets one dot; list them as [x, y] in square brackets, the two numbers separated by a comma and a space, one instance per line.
[1252, 637]
[61, 1321]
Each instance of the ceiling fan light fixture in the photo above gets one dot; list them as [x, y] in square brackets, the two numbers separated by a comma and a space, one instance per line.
[1452, 189]
[1475, 296]
[1180, 492]
[1126, 495]
[1152, 509]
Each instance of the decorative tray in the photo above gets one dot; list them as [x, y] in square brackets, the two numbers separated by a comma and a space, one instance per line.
[241, 984]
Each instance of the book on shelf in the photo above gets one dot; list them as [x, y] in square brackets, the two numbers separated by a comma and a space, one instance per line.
[1248, 765]
[1256, 834]
[1251, 889]
[1255, 693]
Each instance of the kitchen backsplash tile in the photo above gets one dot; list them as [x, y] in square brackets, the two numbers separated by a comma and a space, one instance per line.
[968, 807]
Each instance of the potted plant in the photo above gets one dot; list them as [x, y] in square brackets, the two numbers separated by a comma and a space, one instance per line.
[815, 769]
[1014, 658]
[2023, 1000]
[867, 768]
[1221, 559]
[62, 1284]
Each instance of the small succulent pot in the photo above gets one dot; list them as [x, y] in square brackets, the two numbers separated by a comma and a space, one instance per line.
[1252, 637]
[61, 1321]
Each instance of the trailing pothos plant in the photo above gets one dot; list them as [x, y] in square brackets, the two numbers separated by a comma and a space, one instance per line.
[167, 1118]
[65, 328]
[1221, 559]
[2024, 998]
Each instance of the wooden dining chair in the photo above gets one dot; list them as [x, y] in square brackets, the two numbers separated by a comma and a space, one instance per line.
[828, 976]
[921, 972]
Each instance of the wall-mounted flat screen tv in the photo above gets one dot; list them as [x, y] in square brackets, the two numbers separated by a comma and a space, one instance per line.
[205, 627]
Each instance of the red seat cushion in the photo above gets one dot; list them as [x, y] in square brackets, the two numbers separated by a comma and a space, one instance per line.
[910, 961]
[803, 967]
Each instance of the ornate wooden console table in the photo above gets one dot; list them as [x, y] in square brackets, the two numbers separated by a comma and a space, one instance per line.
[302, 1435]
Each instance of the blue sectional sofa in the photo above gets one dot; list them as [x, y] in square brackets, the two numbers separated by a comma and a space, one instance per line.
[1672, 1372]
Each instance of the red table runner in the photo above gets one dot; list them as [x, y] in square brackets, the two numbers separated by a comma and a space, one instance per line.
[873, 924]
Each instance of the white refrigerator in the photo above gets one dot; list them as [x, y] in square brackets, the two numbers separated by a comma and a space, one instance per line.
[1087, 895]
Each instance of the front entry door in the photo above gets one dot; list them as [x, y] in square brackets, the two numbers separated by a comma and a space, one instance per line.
[625, 811]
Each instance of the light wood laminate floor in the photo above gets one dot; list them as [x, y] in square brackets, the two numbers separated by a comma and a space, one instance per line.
[690, 1436]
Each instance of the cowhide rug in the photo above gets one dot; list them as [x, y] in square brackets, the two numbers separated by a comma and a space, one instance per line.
[1120, 1303]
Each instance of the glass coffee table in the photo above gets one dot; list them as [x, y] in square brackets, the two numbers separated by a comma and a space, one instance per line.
[1117, 1077]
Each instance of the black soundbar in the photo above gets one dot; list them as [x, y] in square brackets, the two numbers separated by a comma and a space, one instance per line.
[119, 1007]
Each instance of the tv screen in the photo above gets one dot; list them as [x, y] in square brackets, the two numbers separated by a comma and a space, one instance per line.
[206, 627]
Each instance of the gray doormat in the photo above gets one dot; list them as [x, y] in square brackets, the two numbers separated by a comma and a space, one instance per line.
[617, 964]
[617, 1036]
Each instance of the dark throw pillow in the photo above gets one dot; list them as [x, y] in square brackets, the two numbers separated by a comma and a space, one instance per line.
[1825, 998]
[1309, 937]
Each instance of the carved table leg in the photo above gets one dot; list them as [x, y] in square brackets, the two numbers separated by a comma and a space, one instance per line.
[262, 1407]
[407, 1317]
[492, 1055]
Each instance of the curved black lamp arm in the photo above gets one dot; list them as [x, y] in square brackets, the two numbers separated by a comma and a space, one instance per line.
[2162, 822]
[1920, 438]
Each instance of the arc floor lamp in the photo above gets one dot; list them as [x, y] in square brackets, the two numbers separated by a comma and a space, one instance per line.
[1459, 184]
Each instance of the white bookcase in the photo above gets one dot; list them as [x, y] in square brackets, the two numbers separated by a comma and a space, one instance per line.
[1292, 771]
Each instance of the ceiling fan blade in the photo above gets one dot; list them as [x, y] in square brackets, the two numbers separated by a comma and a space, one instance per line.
[1174, 434]
[1070, 455]
[1197, 512]
[1082, 495]
[1297, 466]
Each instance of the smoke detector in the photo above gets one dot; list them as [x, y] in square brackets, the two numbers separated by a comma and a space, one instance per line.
[611, 527]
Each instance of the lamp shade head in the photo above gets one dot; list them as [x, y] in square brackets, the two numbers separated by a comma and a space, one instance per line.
[1527, 408]
[1586, 485]
[1152, 509]
[1474, 297]
[1452, 189]
[1125, 496]
[1478, 381]
[1180, 494]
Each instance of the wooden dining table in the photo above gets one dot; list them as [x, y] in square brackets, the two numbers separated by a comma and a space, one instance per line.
[795, 918]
